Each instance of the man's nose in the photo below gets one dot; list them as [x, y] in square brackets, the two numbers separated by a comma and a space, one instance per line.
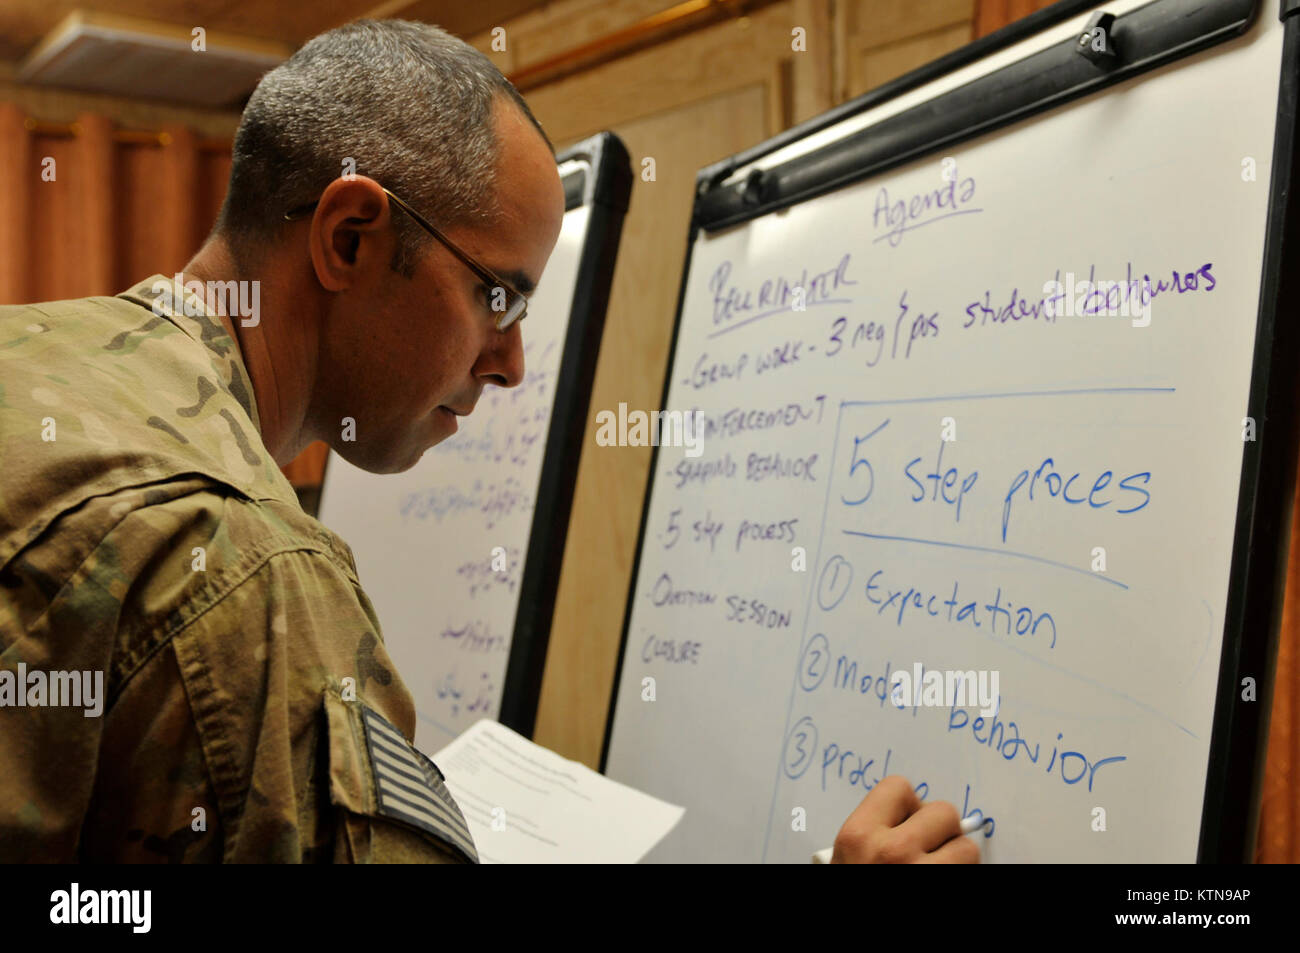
[503, 359]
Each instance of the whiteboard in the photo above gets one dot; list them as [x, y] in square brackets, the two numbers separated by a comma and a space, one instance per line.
[443, 549]
[1076, 537]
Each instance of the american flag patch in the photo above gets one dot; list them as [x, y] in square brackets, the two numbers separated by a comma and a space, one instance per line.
[410, 786]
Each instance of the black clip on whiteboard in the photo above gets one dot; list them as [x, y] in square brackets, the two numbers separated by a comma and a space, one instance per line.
[605, 187]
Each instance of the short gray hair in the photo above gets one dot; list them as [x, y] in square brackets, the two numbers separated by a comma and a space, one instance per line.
[409, 103]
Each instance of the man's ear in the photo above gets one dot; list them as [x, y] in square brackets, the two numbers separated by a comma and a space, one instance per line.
[349, 232]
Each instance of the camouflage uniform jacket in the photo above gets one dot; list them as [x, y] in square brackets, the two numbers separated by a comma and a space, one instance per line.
[249, 709]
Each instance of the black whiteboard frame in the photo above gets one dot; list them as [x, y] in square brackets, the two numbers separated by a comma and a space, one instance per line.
[606, 190]
[605, 186]
[1253, 610]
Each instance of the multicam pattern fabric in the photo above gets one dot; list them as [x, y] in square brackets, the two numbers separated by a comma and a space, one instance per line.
[146, 533]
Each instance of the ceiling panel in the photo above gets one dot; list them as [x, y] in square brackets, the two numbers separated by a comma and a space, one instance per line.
[24, 22]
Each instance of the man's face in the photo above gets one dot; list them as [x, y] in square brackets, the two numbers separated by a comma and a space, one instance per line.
[411, 355]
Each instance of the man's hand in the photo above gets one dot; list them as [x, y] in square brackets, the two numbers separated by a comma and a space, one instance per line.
[891, 826]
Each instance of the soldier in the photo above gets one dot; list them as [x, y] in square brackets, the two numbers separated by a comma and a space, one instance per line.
[251, 712]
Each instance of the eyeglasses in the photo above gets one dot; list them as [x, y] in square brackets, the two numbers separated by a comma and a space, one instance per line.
[516, 305]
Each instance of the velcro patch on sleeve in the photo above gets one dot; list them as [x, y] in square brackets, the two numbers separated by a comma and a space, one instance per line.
[410, 787]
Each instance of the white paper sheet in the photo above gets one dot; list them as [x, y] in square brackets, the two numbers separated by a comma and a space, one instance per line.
[527, 805]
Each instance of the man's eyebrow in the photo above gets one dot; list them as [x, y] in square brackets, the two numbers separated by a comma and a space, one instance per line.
[519, 281]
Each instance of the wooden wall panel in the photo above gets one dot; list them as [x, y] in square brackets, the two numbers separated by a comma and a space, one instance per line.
[874, 67]
[15, 206]
[611, 481]
[717, 59]
[97, 191]
[883, 39]
[539, 35]
[52, 224]
[138, 215]
[214, 176]
[995, 14]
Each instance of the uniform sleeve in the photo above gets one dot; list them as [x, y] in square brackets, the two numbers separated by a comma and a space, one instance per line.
[55, 660]
[249, 710]
[286, 682]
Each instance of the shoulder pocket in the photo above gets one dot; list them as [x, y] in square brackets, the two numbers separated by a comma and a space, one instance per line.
[376, 775]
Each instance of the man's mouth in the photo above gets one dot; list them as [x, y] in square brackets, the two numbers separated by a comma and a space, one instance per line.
[451, 415]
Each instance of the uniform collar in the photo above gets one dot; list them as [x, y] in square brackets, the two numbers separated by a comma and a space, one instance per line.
[167, 298]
